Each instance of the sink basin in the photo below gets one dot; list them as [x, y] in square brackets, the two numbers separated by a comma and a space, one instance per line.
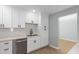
[33, 35]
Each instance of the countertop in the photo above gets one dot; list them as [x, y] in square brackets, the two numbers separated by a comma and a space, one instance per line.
[12, 38]
[15, 38]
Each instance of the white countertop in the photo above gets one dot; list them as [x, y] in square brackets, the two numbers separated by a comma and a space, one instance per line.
[16, 37]
[12, 38]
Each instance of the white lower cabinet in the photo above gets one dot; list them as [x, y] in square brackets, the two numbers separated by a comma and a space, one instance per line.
[33, 43]
[6, 47]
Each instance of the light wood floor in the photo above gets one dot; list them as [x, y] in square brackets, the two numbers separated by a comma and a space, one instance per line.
[64, 46]
[75, 49]
[47, 50]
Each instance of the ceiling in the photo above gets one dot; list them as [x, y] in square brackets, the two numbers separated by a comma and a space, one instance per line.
[50, 9]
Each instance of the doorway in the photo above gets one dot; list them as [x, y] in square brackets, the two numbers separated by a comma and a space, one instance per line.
[67, 32]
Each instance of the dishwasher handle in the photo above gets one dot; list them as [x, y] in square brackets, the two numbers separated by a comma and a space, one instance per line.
[21, 40]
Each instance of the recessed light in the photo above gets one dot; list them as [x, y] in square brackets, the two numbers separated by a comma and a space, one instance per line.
[34, 10]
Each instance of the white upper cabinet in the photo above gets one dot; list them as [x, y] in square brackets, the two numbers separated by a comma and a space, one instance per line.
[18, 18]
[6, 15]
[15, 18]
[21, 19]
[36, 18]
[0, 16]
[12, 17]
[32, 17]
[29, 17]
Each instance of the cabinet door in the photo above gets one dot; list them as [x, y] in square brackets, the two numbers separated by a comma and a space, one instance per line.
[28, 20]
[30, 45]
[32, 17]
[29, 17]
[6, 17]
[37, 44]
[0, 16]
[15, 18]
[22, 19]
[33, 43]
[36, 18]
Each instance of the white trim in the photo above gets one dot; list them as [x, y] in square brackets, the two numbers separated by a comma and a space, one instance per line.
[54, 47]
[69, 40]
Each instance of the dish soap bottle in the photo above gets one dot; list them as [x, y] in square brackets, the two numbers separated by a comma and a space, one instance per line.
[31, 31]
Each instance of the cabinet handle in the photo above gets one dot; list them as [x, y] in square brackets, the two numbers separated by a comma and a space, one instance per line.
[21, 41]
[3, 25]
[0, 25]
[34, 41]
[6, 49]
[19, 26]
[6, 43]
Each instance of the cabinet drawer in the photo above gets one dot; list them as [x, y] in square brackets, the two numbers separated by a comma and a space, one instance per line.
[6, 47]
[4, 43]
[1, 51]
[7, 51]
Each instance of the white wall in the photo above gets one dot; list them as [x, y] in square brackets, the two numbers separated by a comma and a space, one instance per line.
[44, 33]
[53, 31]
[68, 27]
[53, 25]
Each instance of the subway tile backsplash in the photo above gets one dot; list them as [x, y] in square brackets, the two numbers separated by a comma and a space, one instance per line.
[18, 31]
[30, 26]
[7, 32]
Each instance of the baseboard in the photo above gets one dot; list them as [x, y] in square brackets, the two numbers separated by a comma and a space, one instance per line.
[68, 40]
[54, 47]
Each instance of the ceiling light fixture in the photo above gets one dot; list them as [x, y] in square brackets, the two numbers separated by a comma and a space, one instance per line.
[34, 10]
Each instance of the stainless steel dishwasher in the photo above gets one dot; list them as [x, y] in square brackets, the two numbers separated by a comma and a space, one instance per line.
[20, 46]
